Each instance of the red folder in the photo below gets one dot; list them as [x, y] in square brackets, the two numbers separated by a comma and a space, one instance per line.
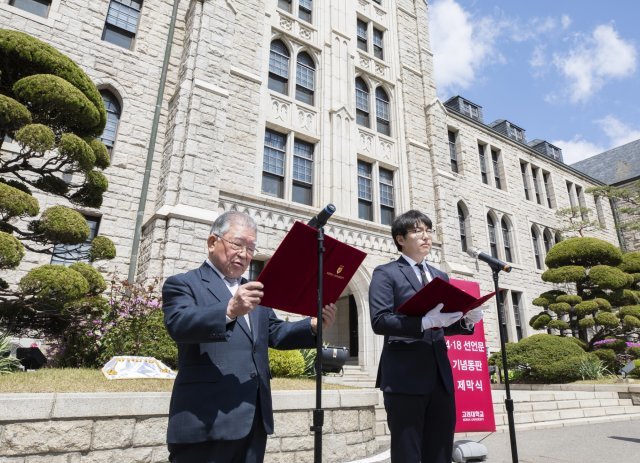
[290, 277]
[439, 291]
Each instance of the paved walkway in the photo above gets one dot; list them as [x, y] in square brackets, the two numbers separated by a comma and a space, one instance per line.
[617, 441]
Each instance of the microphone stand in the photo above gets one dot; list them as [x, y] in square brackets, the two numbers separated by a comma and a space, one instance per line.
[318, 412]
[508, 403]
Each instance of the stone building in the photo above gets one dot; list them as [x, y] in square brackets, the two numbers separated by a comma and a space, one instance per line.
[618, 167]
[278, 107]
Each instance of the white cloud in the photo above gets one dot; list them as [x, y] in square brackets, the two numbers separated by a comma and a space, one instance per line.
[565, 20]
[617, 132]
[594, 61]
[461, 45]
[577, 149]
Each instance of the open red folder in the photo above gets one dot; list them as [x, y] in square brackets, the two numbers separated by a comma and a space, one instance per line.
[439, 291]
[290, 277]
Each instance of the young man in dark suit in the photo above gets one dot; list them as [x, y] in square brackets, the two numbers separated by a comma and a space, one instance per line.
[414, 371]
[220, 408]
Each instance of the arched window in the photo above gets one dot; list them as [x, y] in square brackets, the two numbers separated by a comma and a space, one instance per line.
[535, 241]
[382, 111]
[279, 67]
[493, 245]
[547, 237]
[506, 240]
[362, 102]
[462, 223]
[558, 237]
[305, 78]
[112, 105]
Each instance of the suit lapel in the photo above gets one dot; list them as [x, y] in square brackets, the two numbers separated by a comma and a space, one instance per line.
[219, 290]
[409, 274]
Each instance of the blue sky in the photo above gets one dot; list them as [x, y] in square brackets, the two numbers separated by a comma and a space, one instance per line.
[566, 71]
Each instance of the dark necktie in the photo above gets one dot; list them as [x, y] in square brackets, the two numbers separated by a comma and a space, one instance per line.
[423, 274]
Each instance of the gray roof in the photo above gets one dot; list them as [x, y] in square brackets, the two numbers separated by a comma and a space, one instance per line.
[616, 165]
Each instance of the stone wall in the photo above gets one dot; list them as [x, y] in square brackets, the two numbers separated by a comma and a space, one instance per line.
[130, 427]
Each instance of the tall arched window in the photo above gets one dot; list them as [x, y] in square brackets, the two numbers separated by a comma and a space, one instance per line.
[547, 237]
[362, 102]
[305, 78]
[382, 111]
[279, 67]
[462, 223]
[558, 237]
[506, 240]
[112, 105]
[493, 244]
[535, 241]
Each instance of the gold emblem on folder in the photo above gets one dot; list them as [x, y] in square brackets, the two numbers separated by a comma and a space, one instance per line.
[340, 269]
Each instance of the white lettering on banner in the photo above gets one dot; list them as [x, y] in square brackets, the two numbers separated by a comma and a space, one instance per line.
[473, 415]
[467, 346]
[469, 385]
[467, 365]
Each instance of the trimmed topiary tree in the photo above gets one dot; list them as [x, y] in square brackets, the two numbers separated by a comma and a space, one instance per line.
[599, 296]
[54, 112]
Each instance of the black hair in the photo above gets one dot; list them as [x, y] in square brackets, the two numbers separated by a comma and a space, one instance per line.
[407, 221]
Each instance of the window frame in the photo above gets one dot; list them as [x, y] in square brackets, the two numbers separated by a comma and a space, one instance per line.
[26, 3]
[114, 28]
[83, 247]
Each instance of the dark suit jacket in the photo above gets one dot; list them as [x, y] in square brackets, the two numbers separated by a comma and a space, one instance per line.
[411, 359]
[222, 368]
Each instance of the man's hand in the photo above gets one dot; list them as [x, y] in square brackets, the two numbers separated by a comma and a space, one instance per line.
[475, 316]
[436, 319]
[328, 318]
[246, 299]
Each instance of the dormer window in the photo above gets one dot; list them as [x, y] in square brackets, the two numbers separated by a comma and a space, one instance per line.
[470, 110]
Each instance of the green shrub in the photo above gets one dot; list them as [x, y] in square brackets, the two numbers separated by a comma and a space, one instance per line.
[11, 251]
[90, 194]
[560, 307]
[29, 56]
[585, 323]
[607, 319]
[13, 115]
[606, 277]
[586, 308]
[540, 321]
[286, 363]
[562, 371]
[608, 358]
[37, 137]
[616, 345]
[54, 284]
[60, 224]
[103, 160]
[77, 150]
[583, 345]
[102, 248]
[583, 251]
[634, 352]
[17, 203]
[630, 322]
[538, 354]
[144, 336]
[93, 277]
[635, 373]
[630, 262]
[570, 299]
[558, 325]
[566, 274]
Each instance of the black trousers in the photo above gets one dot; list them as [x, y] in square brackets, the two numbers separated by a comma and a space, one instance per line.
[421, 426]
[249, 449]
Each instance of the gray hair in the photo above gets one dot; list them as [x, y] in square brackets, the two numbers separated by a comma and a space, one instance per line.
[222, 224]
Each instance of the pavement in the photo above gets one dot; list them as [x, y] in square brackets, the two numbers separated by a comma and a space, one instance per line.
[617, 441]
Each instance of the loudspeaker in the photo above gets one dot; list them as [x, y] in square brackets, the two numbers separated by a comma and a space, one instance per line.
[31, 358]
[628, 368]
[468, 450]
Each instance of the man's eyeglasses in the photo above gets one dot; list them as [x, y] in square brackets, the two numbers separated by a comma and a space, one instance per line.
[239, 247]
[421, 232]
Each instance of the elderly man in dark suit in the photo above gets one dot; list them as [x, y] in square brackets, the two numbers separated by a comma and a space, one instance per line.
[414, 372]
[220, 408]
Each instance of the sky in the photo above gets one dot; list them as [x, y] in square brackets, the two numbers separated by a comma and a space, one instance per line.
[566, 71]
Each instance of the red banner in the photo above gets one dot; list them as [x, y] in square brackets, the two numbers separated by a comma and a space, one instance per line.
[468, 357]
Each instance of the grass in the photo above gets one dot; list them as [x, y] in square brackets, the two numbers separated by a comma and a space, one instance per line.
[87, 380]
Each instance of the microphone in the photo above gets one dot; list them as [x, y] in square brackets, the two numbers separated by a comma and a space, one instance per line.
[496, 264]
[320, 220]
